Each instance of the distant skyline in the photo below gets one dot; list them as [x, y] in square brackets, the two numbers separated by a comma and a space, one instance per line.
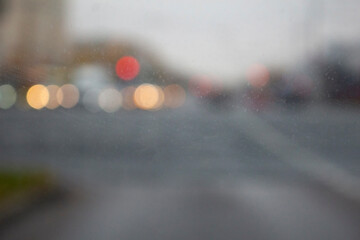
[217, 38]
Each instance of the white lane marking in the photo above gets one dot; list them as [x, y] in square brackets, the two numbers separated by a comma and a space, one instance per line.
[299, 157]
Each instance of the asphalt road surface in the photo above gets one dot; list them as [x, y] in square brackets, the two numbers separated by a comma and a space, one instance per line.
[191, 173]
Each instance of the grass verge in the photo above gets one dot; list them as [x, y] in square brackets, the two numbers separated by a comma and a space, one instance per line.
[15, 183]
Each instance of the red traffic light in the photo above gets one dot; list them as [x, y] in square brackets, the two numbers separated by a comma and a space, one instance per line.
[127, 68]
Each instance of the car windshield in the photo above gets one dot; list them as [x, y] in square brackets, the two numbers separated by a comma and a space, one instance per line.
[192, 119]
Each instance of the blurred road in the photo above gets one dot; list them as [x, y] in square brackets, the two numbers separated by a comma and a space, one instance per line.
[277, 174]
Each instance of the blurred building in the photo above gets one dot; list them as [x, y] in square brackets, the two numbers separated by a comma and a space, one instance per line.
[32, 31]
[338, 69]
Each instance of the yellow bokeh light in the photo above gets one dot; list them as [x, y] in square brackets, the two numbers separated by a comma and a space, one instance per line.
[37, 96]
[53, 102]
[147, 97]
[68, 96]
[175, 96]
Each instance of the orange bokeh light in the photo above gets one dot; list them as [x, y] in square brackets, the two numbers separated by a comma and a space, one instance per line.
[53, 102]
[174, 96]
[37, 96]
[128, 98]
[68, 96]
[148, 97]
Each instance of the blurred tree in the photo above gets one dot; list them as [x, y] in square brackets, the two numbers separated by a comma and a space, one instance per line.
[2, 7]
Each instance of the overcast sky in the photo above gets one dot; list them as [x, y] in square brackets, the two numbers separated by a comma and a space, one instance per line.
[220, 38]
